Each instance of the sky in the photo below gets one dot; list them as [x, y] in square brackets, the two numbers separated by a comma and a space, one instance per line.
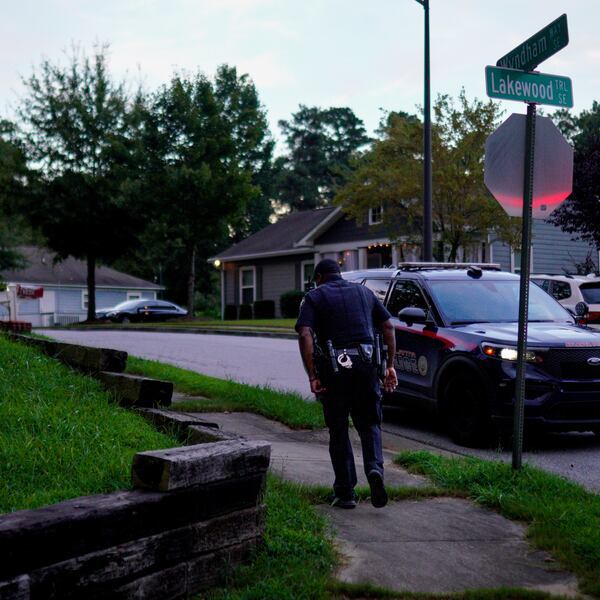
[366, 55]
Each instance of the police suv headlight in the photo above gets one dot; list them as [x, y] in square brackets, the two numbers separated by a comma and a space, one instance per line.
[509, 353]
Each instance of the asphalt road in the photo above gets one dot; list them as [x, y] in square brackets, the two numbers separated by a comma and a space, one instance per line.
[276, 363]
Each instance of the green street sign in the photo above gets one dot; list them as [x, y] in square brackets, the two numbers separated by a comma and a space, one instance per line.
[539, 88]
[538, 47]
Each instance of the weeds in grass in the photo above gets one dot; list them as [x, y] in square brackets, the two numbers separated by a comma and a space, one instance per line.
[563, 517]
[297, 557]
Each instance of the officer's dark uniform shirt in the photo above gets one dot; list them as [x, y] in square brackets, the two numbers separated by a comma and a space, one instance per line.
[343, 312]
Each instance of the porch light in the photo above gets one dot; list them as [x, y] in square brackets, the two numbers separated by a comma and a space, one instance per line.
[217, 263]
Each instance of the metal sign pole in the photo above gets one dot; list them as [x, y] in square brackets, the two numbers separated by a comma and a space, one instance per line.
[524, 287]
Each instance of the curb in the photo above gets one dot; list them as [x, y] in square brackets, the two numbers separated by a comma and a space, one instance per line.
[206, 331]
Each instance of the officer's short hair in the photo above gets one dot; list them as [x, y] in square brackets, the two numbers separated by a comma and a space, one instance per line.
[327, 266]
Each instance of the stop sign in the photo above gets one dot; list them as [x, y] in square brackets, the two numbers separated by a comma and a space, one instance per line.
[504, 166]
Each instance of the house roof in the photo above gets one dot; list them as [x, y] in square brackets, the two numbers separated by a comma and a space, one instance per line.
[42, 270]
[282, 237]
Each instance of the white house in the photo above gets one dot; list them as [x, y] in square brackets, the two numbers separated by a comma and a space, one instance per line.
[48, 293]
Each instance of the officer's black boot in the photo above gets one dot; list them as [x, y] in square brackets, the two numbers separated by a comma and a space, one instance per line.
[379, 497]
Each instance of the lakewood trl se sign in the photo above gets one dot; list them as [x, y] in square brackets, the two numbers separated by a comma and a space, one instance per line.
[541, 88]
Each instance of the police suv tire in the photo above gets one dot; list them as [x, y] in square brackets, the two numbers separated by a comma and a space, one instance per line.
[466, 409]
[124, 320]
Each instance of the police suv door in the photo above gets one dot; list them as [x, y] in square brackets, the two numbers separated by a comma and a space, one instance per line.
[417, 347]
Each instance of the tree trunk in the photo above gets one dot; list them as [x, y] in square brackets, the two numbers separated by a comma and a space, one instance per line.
[191, 282]
[91, 287]
[453, 251]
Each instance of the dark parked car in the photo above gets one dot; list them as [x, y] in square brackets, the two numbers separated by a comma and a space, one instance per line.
[135, 311]
[456, 338]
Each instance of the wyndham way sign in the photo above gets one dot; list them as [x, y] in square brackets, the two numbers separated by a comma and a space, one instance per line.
[538, 88]
[538, 47]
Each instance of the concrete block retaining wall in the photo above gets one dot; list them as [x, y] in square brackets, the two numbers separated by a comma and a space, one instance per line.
[195, 514]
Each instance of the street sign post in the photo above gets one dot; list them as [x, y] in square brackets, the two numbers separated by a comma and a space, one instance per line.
[518, 83]
[539, 88]
[504, 166]
[538, 47]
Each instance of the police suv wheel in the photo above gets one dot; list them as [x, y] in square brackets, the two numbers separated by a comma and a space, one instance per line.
[125, 320]
[466, 410]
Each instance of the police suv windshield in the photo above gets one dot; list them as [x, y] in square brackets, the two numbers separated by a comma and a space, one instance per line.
[493, 302]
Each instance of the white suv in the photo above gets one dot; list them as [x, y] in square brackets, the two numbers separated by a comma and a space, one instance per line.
[570, 290]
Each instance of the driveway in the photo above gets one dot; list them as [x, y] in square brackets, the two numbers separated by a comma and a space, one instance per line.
[276, 363]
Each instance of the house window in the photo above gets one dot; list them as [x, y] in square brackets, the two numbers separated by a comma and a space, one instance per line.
[247, 285]
[134, 295]
[308, 268]
[84, 300]
[375, 215]
[516, 261]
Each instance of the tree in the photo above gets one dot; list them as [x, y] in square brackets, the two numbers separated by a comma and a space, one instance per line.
[197, 176]
[321, 145]
[390, 176]
[79, 133]
[13, 174]
[580, 214]
[247, 121]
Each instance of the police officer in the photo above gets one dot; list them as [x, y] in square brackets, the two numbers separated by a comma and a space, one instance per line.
[343, 319]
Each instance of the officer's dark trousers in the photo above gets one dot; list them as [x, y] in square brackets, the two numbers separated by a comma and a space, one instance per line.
[354, 394]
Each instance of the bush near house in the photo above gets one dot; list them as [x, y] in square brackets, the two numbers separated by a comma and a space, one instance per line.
[264, 309]
[290, 303]
[245, 311]
[230, 312]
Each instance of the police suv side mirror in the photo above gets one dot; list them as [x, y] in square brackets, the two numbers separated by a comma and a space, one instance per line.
[412, 314]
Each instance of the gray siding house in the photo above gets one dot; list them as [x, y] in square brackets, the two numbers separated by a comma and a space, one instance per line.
[281, 257]
[64, 288]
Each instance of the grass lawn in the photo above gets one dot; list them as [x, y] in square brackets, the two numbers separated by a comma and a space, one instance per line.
[220, 394]
[563, 518]
[60, 436]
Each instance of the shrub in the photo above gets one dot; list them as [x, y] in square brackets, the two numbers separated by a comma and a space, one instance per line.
[230, 312]
[290, 303]
[245, 311]
[264, 309]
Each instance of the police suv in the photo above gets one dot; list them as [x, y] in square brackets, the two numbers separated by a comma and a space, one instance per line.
[456, 349]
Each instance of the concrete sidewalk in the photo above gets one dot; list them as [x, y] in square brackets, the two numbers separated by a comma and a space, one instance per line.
[431, 545]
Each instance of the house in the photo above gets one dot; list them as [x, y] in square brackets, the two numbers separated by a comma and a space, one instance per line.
[47, 292]
[281, 257]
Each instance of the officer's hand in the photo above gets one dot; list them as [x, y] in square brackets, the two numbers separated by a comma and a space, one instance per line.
[316, 387]
[390, 381]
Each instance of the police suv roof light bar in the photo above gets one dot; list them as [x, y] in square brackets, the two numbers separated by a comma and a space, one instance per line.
[423, 266]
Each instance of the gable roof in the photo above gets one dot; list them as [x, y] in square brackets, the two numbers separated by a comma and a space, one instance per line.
[289, 235]
[42, 270]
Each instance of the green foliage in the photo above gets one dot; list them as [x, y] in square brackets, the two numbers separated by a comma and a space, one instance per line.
[390, 176]
[61, 437]
[218, 394]
[264, 309]
[321, 145]
[79, 132]
[289, 304]
[13, 174]
[563, 517]
[201, 142]
[580, 214]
